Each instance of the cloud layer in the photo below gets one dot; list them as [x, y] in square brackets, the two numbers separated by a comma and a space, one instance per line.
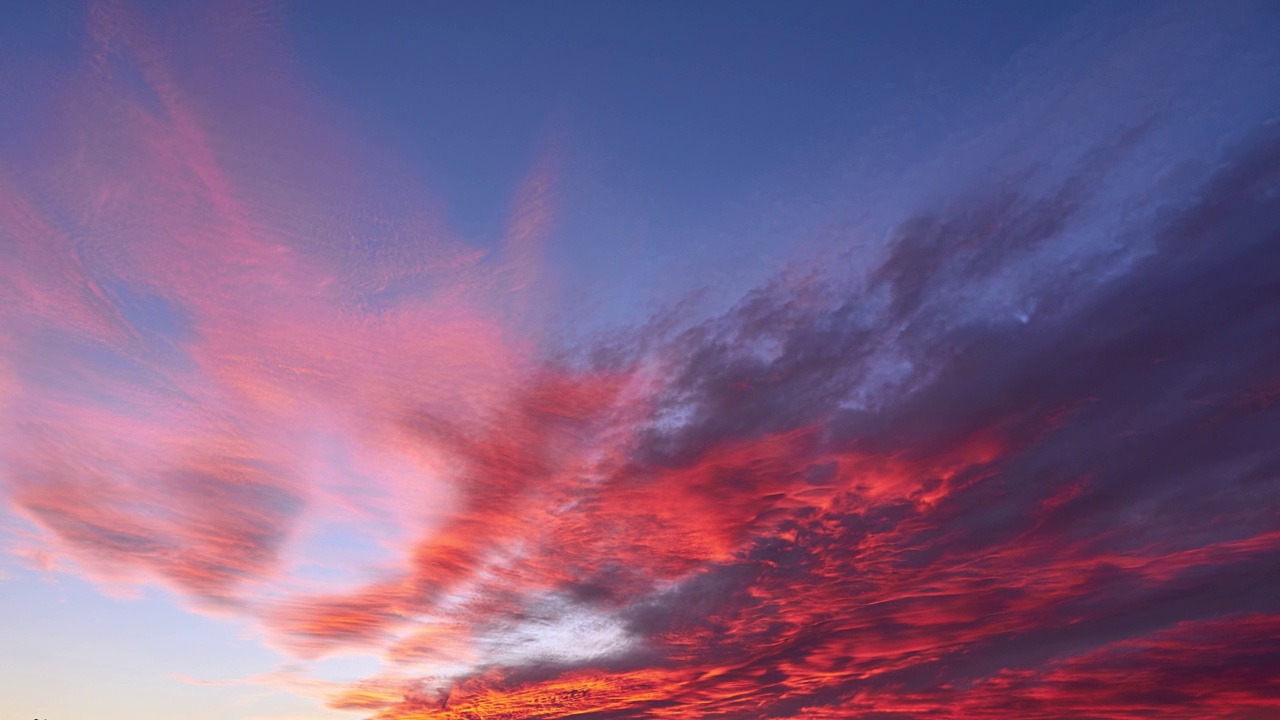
[1017, 461]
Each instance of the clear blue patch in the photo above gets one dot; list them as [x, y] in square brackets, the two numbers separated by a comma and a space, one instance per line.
[132, 82]
[152, 316]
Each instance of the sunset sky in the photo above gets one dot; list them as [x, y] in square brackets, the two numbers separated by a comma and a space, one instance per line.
[629, 360]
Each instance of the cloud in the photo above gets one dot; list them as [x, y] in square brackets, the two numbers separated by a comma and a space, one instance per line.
[1019, 463]
[1029, 499]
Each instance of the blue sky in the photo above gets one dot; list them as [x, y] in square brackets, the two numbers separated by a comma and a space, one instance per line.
[688, 105]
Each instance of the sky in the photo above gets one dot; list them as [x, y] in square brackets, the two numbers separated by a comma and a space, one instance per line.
[608, 360]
